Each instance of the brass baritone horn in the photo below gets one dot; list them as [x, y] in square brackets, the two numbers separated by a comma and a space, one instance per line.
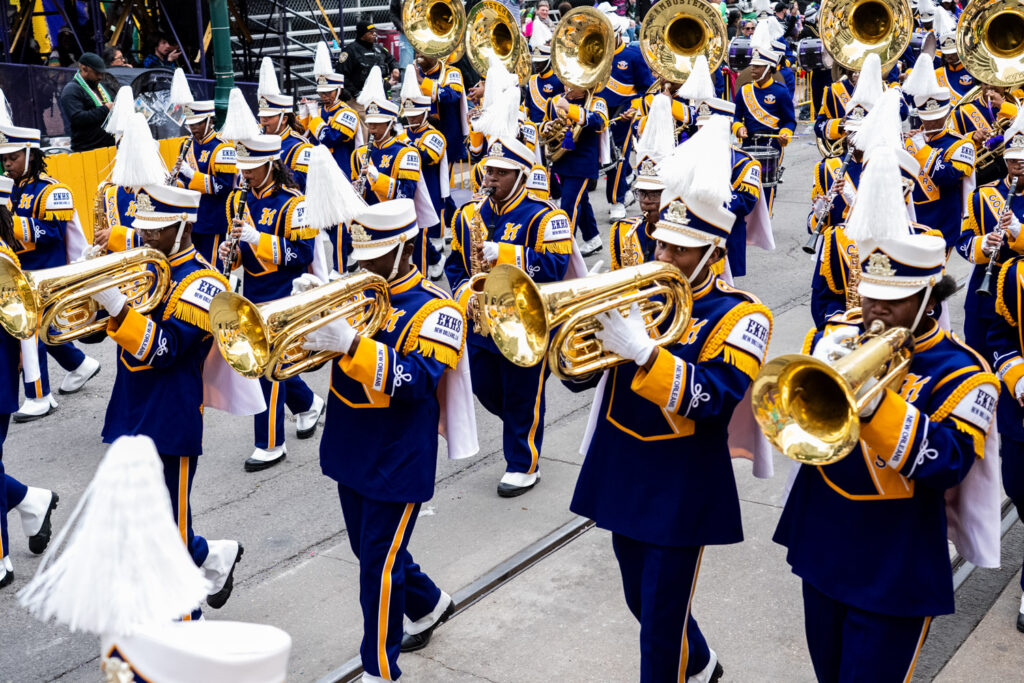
[809, 409]
[265, 340]
[990, 41]
[57, 302]
[850, 29]
[523, 316]
[491, 30]
[675, 32]
[434, 28]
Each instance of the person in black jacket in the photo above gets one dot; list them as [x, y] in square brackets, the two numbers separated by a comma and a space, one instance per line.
[363, 54]
[86, 104]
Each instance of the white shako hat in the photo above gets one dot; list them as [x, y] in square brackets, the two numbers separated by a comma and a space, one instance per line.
[197, 111]
[414, 102]
[865, 95]
[896, 268]
[323, 71]
[761, 45]
[714, 106]
[509, 153]
[379, 228]
[882, 127]
[655, 143]
[930, 99]
[14, 138]
[161, 206]
[256, 151]
[377, 107]
[6, 187]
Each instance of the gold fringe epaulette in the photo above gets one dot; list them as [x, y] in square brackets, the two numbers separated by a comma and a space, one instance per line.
[190, 313]
[440, 352]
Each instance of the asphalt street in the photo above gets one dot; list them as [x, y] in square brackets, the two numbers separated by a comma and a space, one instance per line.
[299, 573]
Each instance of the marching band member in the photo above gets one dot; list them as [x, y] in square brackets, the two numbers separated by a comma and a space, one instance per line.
[582, 159]
[630, 78]
[978, 121]
[442, 84]
[277, 117]
[543, 84]
[989, 227]
[663, 510]
[431, 145]
[158, 389]
[274, 246]
[764, 108]
[828, 123]
[629, 240]
[34, 505]
[49, 236]
[381, 384]
[952, 74]
[884, 504]
[536, 236]
[947, 159]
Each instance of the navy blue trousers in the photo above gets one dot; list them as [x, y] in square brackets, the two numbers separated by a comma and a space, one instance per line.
[391, 584]
[1011, 454]
[178, 475]
[659, 582]
[615, 183]
[850, 645]
[516, 395]
[269, 425]
[12, 491]
[67, 355]
[576, 203]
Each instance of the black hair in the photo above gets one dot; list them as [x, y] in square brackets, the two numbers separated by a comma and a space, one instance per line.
[36, 163]
[282, 175]
[943, 289]
[7, 229]
[110, 54]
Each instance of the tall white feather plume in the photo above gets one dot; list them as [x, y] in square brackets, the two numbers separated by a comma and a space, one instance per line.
[1016, 127]
[882, 127]
[921, 80]
[410, 85]
[239, 122]
[775, 29]
[762, 37]
[500, 118]
[322, 60]
[701, 167]
[926, 8]
[943, 22]
[330, 197]
[124, 566]
[880, 211]
[658, 137]
[268, 79]
[5, 110]
[698, 86]
[373, 89]
[180, 92]
[869, 84]
[138, 161]
[124, 106]
[498, 79]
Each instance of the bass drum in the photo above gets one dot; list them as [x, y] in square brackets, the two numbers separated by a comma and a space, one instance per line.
[740, 53]
[811, 55]
[921, 41]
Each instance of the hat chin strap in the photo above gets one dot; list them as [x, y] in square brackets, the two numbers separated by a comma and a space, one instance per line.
[703, 261]
[398, 261]
[920, 311]
[177, 239]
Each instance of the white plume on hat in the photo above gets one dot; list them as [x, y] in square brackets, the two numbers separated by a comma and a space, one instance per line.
[124, 106]
[775, 29]
[268, 79]
[882, 127]
[410, 84]
[499, 115]
[659, 134]
[921, 80]
[701, 167]
[373, 88]
[869, 84]
[1016, 127]
[698, 86]
[926, 8]
[138, 161]
[761, 38]
[880, 211]
[330, 197]
[124, 566]
[498, 80]
[322, 60]
[5, 110]
[181, 94]
[943, 23]
[239, 122]
[541, 34]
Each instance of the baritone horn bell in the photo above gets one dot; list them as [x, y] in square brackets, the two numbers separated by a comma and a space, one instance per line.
[435, 28]
[675, 32]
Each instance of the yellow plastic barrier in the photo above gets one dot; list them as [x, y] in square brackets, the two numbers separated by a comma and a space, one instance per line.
[84, 171]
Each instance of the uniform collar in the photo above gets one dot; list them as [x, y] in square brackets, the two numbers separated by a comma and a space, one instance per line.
[182, 257]
[620, 48]
[265, 192]
[437, 67]
[547, 73]
[209, 136]
[767, 83]
[512, 202]
[933, 336]
[334, 107]
[386, 141]
[406, 282]
[703, 288]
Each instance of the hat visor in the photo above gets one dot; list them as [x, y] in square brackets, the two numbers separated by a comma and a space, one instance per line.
[652, 184]
[934, 114]
[367, 251]
[502, 162]
[761, 61]
[272, 112]
[330, 87]
[198, 118]
[679, 239]
[879, 292]
[379, 118]
[948, 50]
[10, 148]
[157, 221]
[1014, 154]
[540, 58]
[250, 163]
[414, 111]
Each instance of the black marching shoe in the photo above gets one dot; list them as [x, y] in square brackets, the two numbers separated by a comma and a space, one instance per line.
[1020, 621]
[220, 598]
[37, 543]
[417, 641]
[6, 579]
[514, 484]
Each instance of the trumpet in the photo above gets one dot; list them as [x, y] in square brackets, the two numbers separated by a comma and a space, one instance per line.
[523, 316]
[57, 302]
[810, 409]
[265, 340]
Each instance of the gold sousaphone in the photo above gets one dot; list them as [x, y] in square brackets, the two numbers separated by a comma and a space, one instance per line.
[492, 31]
[265, 340]
[809, 409]
[675, 32]
[434, 28]
[528, 321]
[57, 302]
[582, 50]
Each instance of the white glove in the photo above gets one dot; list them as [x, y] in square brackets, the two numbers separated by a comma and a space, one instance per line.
[371, 172]
[250, 234]
[918, 141]
[596, 268]
[626, 337]
[872, 405]
[305, 282]
[187, 171]
[1014, 227]
[335, 336]
[818, 208]
[1018, 389]
[111, 299]
[830, 348]
[490, 252]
